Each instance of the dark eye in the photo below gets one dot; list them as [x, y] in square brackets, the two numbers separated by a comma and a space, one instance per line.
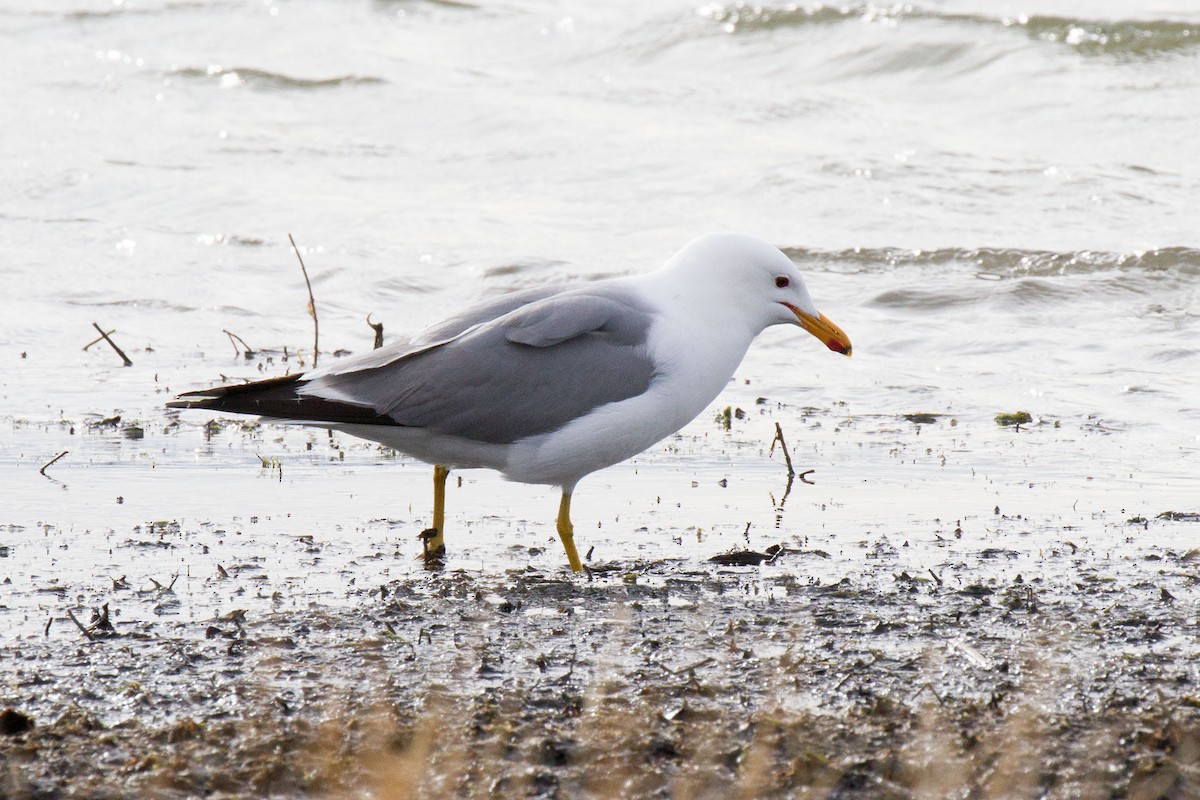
[782, 282]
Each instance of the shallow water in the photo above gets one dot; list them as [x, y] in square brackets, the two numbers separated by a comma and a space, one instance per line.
[997, 205]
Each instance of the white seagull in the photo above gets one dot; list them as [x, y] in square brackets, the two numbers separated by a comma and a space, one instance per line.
[550, 384]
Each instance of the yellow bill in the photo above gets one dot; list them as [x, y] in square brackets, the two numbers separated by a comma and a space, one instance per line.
[821, 327]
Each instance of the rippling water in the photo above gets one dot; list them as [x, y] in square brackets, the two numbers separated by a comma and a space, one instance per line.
[997, 202]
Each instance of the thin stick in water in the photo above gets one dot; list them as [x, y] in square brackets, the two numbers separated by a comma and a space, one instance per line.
[234, 339]
[120, 352]
[97, 339]
[787, 457]
[312, 303]
[82, 628]
[51, 461]
[378, 328]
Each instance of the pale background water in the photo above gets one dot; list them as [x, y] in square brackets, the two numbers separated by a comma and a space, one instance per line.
[998, 202]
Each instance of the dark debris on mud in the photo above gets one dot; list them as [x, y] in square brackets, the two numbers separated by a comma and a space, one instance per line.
[658, 679]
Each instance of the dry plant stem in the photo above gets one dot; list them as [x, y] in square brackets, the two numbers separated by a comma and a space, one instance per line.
[312, 303]
[97, 339]
[169, 587]
[81, 626]
[234, 339]
[120, 352]
[51, 461]
[787, 457]
[695, 665]
[378, 328]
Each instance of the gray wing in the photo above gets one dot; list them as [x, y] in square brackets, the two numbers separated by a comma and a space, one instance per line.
[439, 333]
[527, 372]
[488, 311]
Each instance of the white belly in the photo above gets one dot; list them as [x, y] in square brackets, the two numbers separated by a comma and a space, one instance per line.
[693, 367]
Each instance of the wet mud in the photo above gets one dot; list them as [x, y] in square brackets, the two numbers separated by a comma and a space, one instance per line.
[933, 605]
[665, 678]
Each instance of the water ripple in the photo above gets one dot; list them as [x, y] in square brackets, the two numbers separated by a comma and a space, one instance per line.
[1119, 37]
[1088, 37]
[999, 263]
[264, 79]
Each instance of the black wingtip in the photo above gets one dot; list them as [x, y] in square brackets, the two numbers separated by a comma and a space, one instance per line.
[240, 398]
[278, 398]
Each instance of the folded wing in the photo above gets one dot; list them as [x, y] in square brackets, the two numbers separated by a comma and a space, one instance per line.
[530, 369]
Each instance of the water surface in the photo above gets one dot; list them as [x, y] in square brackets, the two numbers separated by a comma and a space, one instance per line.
[998, 203]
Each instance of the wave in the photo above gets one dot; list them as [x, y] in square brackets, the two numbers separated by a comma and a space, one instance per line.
[1088, 37]
[1001, 263]
[454, 4]
[122, 10]
[1120, 37]
[259, 78]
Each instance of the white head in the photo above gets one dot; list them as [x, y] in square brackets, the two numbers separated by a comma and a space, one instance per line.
[732, 274]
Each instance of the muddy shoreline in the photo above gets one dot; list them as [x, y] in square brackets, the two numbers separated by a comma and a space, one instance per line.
[954, 612]
[670, 678]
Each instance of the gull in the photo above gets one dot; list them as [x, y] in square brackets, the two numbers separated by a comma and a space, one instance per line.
[548, 385]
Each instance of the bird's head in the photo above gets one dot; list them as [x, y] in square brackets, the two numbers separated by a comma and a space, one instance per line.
[742, 274]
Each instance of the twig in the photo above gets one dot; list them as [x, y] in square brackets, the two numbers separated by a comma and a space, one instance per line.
[695, 665]
[97, 339]
[91, 637]
[51, 461]
[234, 339]
[120, 352]
[312, 303]
[787, 457]
[378, 328]
[928, 687]
[857, 669]
[158, 587]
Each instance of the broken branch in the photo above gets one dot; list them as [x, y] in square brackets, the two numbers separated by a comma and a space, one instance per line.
[312, 303]
[120, 352]
[83, 629]
[378, 328]
[97, 339]
[787, 457]
[234, 339]
[51, 461]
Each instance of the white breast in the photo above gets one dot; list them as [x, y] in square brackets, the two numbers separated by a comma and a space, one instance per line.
[694, 362]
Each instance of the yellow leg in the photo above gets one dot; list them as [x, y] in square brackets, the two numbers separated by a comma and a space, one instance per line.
[433, 539]
[566, 532]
